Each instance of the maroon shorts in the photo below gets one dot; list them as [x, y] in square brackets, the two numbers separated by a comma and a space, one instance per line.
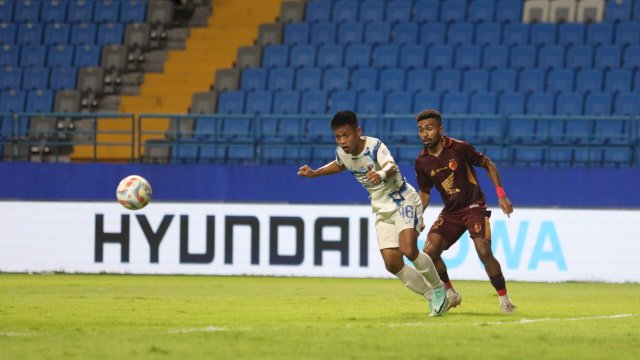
[451, 225]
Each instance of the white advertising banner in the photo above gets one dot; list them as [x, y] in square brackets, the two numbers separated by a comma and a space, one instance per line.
[301, 240]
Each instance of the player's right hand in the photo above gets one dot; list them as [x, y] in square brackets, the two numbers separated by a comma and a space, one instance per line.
[306, 171]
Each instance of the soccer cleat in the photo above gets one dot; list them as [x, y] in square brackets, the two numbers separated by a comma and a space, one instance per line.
[453, 298]
[507, 308]
[438, 303]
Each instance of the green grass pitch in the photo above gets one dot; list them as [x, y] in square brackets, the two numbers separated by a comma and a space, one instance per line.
[186, 317]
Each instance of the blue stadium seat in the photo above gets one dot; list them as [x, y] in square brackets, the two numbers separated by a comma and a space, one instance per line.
[617, 157]
[495, 57]
[608, 57]
[6, 11]
[631, 57]
[405, 34]
[487, 130]
[318, 11]
[60, 56]
[399, 11]
[323, 154]
[110, 33]
[240, 154]
[302, 56]
[350, 33]
[370, 103]
[551, 57]
[455, 103]
[598, 104]
[206, 153]
[419, 80]
[344, 11]
[234, 128]
[579, 57]
[533, 131]
[330, 55]
[515, 34]
[508, 11]
[452, 11]
[569, 104]
[523, 57]
[275, 56]
[56, 33]
[412, 56]
[27, 11]
[308, 79]
[460, 34]
[401, 129]
[286, 102]
[371, 10]
[35, 78]
[559, 157]
[335, 79]
[385, 56]
[314, 102]
[599, 34]
[503, 80]
[511, 103]
[377, 33]
[627, 33]
[86, 55]
[617, 81]
[425, 100]
[29, 33]
[63, 78]
[323, 33]
[10, 78]
[543, 34]
[488, 33]
[132, 11]
[10, 101]
[531, 81]
[636, 16]
[636, 82]
[7, 33]
[399, 102]
[407, 154]
[425, 11]
[83, 34]
[33, 55]
[106, 11]
[616, 11]
[80, 11]
[39, 101]
[481, 11]
[342, 100]
[528, 156]
[253, 79]
[358, 55]
[447, 80]
[475, 81]
[440, 57]
[609, 131]
[286, 128]
[560, 81]
[280, 79]
[587, 157]
[296, 34]
[468, 57]
[589, 80]
[571, 34]
[364, 79]
[258, 102]
[627, 104]
[432, 33]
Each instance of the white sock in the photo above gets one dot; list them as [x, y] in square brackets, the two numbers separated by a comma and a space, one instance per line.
[504, 299]
[412, 279]
[424, 265]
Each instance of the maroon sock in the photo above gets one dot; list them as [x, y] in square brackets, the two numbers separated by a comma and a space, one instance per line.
[444, 276]
[498, 283]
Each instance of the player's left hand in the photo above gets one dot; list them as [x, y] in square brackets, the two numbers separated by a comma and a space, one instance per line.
[373, 176]
[506, 206]
[421, 224]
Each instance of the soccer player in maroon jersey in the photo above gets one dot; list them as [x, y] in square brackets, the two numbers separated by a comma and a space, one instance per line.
[447, 164]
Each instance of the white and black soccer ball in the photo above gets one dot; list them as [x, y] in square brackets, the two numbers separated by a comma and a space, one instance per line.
[134, 192]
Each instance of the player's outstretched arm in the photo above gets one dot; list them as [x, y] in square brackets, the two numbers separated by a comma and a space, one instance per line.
[328, 169]
[494, 175]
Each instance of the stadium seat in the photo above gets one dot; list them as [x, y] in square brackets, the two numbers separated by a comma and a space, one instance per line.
[608, 57]
[559, 157]
[275, 56]
[302, 56]
[572, 131]
[56, 34]
[531, 81]
[515, 34]
[6, 11]
[285, 128]
[432, 33]
[399, 11]
[344, 11]
[560, 81]
[253, 79]
[579, 57]
[364, 79]
[426, 11]
[475, 81]
[350, 33]
[528, 156]
[631, 57]
[616, 11]
[618, 80]
[83, 34]
[258, 102]
[588, 80]
[481, 11]
[308, 79]
[323, 33]
[569, 104]
[571, 34]
[488, 33]
[511, 103]
[425, 100]
[455, 103]
[522, 57]
[377, 33]
[33, 55]
[617, 157]
[86, 55]
[29, 33]
[237, 129]
[495, 57]
[209, 153]
[460, 34]
[587, 157]
[440, 57]
[385, 56]
[598, 104]
[419, 80]
[627, 33]
[110, 33]
[335, 79]
[508, 11]
[80, 11]
[468, 57]
[106, 11]
[609, 131]
[39, 101]
[358, 55]
[280, 79]
[7, 33]
[486, 130]
[27, 11]
[447, 80]
[63, 79]
[330, 55]
[317, 11]
[370, 103]
[398, 102]
[132, 11]
[412, 56]
[405, 33]
[453, 11]
[551, 57]
[240, 154]
[527, 130]
[60, 55]
[627, 104]
[296, 34]
[599, 34]
[372, 10]
[636, 82]
[10, 78]
[503, 80]
[314, 102]
[10, 101]
[342, 100]
[543, 34]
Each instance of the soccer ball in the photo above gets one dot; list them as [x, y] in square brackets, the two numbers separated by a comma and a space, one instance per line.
[134, 192]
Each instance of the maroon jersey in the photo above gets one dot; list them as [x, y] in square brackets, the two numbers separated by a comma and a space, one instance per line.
[452, 174]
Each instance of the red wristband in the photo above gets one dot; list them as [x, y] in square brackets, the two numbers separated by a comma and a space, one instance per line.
[501, 193]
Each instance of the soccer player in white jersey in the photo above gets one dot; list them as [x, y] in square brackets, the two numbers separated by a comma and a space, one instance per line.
[394, 201]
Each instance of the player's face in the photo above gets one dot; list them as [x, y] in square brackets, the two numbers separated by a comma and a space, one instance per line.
[430, 132]
[348, 138]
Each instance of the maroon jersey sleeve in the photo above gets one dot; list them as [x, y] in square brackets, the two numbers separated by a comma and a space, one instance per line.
[474, 157]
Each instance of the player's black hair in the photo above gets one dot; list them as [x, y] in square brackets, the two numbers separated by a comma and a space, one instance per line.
[345, 117]
[429, 114]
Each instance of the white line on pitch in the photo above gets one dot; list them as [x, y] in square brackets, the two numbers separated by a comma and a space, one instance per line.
[521, 321]
[204, 329]
[15, 333]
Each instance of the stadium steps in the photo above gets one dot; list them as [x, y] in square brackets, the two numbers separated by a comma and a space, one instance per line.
[232, 24]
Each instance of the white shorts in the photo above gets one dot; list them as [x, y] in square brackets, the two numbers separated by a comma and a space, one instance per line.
[390, 224]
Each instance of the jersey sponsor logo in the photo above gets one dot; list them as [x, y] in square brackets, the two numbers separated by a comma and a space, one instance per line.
[477, 227]
[447, 185]
[437, 223]
[434, 172]
[453, 164]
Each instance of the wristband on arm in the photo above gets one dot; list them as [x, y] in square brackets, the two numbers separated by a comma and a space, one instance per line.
[382, 174]
[500, 192]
